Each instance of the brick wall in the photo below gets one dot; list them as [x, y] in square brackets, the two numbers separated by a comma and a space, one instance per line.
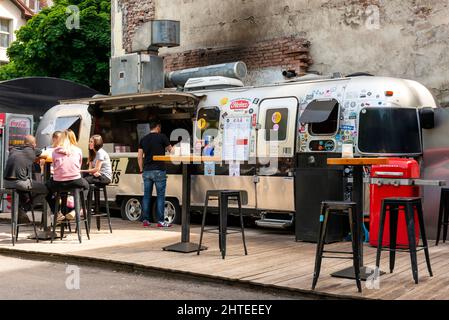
[135, 13]
[290, 53]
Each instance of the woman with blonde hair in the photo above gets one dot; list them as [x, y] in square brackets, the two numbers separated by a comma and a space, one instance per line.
[67, 160]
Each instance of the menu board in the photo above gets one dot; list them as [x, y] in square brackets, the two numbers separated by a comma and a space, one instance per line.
[236, 137]
[18, 128]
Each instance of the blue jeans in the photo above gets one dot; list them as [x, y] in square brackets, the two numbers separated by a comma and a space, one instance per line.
[159, 178]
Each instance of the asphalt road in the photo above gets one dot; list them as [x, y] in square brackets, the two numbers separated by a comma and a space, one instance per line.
[31, 280]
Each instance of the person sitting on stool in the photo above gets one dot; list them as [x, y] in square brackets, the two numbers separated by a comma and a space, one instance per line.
[67, 159]
[100, 169]
[18, 175]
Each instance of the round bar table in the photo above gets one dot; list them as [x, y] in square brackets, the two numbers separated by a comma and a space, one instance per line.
[357, 197]
[185, 246]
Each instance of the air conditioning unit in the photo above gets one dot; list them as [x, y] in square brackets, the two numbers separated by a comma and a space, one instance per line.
[136, 73]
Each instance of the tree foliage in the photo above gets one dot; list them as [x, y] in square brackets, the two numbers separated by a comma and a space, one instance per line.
[46, 47]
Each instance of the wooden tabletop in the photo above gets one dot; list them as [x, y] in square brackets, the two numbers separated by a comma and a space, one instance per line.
[357, 161]
[186, 159]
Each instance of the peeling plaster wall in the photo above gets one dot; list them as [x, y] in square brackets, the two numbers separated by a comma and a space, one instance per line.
[401, 38]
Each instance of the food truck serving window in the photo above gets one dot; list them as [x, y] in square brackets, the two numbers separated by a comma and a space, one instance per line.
[276, 121]
[394, 131]
[322, 117]
[208, 119]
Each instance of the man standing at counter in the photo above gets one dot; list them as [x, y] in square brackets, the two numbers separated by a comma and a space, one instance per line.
[153, 172]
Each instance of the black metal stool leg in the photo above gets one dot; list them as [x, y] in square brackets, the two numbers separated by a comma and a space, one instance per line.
[206, 203]
[445, 219]
[97, 207]
[424, 237]
[55, 217]
[383, 214]
[223, 224]
[34, 222]
[89, 206]
[14, 215]
[440, 215]
[356, 233]
[394, 213]
[320, 246]
[105, 194]
[77, 211]
[410, 219]
[242, 226]
[83, 206]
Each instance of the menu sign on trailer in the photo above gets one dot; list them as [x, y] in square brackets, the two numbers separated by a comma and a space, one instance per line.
[18, 128]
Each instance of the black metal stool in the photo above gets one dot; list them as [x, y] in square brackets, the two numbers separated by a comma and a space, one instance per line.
[223, 197]
[94, 192]
[78, 195]
[443, 217]
[338, 207]
[409, 205]
[15, 225]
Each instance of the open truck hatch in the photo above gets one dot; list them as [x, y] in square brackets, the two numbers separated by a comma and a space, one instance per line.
[318, 111]
[161, 99]
[123, 120]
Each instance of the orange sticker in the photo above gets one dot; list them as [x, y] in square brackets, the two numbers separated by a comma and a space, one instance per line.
[277, 117]
[224, 101]
[202, 123]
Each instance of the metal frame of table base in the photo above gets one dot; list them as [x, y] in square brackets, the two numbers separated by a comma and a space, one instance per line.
[349, 273]
[357, 197]
[185, 246]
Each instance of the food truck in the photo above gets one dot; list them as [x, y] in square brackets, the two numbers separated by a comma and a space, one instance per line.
[269, 137]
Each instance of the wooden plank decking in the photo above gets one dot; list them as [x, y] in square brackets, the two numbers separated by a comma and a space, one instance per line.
[274, 259]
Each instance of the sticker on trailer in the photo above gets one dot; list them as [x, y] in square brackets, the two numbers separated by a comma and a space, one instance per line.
[276, 117]
[240, 104]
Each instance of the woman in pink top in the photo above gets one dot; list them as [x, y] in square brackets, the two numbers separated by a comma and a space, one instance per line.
[67, 159]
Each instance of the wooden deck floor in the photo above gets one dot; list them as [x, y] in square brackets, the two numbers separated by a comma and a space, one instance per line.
[274, 259]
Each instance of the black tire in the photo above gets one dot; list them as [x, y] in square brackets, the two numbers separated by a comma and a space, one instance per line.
[174, 215]
[131, 208]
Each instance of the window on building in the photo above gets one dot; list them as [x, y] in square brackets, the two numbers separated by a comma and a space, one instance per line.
[33, 5]
[5, 33]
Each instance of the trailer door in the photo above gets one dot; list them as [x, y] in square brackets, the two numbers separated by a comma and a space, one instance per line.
[277, 120]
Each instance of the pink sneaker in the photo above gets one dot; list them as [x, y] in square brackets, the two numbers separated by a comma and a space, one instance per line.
[146, 224]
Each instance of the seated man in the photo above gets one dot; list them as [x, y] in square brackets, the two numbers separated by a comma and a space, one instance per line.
[19, 172]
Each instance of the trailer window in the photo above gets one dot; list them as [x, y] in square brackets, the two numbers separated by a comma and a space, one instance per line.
[72, 123]
[394, 131]
[276, 124]
[328, 127]
[207, 119]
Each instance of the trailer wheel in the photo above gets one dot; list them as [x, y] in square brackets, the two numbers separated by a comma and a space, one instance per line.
[172, 211]
[131, 209]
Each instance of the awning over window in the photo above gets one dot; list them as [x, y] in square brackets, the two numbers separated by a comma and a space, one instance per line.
[161, 99]
[318, 111]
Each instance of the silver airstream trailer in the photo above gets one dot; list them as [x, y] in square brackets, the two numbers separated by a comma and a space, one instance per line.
[263, 132]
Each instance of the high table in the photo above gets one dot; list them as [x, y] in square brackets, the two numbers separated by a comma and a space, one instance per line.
[185, 246]
[357, 197]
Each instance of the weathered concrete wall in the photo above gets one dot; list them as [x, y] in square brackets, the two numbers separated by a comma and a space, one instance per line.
[401, 38]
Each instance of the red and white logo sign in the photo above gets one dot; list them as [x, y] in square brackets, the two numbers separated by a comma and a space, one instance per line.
[240, 104]
[16, 123]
